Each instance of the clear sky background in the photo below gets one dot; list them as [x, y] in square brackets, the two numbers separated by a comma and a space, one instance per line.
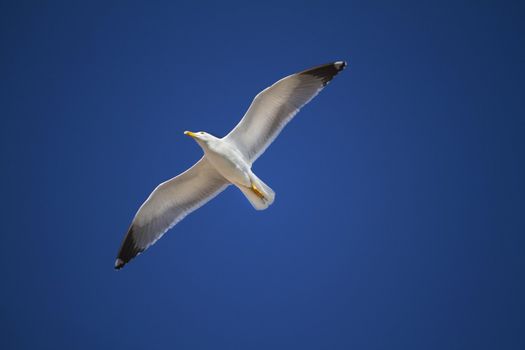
[399, 221]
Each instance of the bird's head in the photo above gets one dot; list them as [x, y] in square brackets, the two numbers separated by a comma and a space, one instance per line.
[202, 137]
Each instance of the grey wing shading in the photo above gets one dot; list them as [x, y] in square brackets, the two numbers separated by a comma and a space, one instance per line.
[168, 204]
[275, 106]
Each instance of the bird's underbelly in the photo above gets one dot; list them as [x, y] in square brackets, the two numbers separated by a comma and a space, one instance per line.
[231, 167]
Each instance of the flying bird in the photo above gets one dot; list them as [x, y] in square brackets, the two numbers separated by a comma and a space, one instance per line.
[226, 161]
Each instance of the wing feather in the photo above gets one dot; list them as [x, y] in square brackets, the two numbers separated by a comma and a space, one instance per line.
[168, 204]
[275, 106]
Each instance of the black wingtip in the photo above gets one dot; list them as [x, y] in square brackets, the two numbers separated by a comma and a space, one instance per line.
[119, 264]
[326, 72]
[340, 65]
[128, 250]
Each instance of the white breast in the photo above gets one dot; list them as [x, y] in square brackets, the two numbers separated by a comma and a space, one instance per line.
[229, 162]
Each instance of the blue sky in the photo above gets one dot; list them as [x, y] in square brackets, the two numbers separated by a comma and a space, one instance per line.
[399, 216]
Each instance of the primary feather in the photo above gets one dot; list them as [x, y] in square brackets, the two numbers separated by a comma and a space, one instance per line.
[276, 105]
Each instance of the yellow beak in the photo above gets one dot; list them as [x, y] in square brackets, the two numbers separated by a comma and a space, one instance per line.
[189, 133]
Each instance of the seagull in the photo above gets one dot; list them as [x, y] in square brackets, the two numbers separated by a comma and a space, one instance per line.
[226, 161]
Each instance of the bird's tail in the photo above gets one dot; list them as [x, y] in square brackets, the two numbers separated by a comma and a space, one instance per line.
[260, 195]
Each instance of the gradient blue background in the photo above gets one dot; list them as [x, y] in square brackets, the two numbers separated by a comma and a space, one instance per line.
[399, 221]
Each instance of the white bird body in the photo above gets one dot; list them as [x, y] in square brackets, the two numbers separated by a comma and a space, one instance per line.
[226, 160]
[231, 164]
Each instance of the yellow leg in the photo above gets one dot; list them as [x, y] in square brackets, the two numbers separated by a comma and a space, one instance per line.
[257, 192]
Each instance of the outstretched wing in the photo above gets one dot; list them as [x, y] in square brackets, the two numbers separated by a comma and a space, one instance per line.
[168, 204]
[275, 106]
